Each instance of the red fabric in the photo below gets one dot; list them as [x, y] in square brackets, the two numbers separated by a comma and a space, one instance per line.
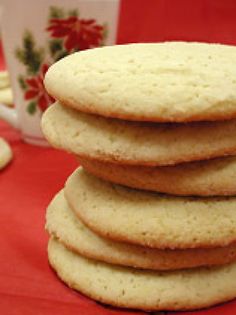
[27, 284]
[162, 20]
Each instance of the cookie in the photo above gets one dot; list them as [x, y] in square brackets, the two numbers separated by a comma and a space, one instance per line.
[6, 96]
[163, 82]
[151, 219]
[216, 177]
[5, 153]
[4, 80]
[62, 223]
[125, 142]
[141, 289]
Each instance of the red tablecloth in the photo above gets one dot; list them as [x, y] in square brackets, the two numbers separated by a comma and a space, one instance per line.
[27, 284]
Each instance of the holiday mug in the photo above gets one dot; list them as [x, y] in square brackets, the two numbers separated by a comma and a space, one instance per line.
[36, 34]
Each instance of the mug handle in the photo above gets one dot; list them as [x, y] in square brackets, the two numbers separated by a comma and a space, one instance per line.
[9, 115]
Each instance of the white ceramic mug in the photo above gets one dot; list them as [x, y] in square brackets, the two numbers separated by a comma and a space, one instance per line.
[35, 34]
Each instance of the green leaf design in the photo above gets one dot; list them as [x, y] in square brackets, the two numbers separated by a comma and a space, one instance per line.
[63, 53]
[56, 49]
[21, 81]
[29, 55]
[55, 46]
[74, 12]
[56, 13]
[105, 33]
[32, 107]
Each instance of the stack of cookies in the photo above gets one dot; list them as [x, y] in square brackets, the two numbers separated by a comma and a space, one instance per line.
[149, 220]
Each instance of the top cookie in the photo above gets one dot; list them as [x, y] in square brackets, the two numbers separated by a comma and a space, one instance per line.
[162, 82]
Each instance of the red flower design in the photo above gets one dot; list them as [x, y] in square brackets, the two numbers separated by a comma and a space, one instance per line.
[36, 90]
[78, 34]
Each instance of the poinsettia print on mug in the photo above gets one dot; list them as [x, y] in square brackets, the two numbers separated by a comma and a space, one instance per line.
[36, 92]
[77, 33]
[67, 33]
[46, 31]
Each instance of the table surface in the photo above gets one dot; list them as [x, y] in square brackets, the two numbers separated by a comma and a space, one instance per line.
[27, 284]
